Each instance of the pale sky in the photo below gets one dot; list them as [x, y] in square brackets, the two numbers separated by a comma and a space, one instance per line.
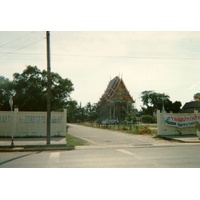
[166, 62]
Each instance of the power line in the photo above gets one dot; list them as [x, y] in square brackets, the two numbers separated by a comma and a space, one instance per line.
[23, 53]
[5, 44]
[104, 56]
[131, 57]
[21, 48]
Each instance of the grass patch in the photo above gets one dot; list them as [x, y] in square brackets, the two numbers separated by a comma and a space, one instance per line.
[143, 130]
[74, 141]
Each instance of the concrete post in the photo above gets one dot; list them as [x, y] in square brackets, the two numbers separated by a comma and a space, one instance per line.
[15, 121]
[159, 122]
[64, 121]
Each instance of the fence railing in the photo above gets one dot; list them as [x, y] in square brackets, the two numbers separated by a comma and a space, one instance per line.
[22, 124]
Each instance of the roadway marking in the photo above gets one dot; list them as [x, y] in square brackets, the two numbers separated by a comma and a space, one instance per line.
[54, 157]
[126, 152]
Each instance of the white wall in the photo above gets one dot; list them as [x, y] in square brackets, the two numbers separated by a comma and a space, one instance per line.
[182, 123]
[23, 124]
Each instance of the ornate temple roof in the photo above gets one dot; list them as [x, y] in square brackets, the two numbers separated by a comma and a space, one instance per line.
[116, 91]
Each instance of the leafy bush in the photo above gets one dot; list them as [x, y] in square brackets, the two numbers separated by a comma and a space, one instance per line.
[148, 119]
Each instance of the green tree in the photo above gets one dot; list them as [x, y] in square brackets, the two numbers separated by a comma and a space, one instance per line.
[61, 90]
[196, 96]
[153, 101]
[6, 88]
[77, 113]
[175, 107]
[148, 119]
[31, 89]
[72, 111]
[80, 114]
[90, 112]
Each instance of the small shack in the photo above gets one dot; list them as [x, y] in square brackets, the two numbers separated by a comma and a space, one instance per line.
[116, 102]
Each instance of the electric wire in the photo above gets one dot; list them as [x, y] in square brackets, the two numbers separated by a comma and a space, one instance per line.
[12, 41]
[103, 56]
[11, 52]
[195, 57]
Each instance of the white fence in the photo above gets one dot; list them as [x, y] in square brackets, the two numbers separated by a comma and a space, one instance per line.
[177, 123]
[23, 124]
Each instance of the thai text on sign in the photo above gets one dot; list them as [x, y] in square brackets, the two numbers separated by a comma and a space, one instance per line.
[181, 121]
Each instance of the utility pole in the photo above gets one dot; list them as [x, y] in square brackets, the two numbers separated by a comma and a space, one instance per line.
[48, 89]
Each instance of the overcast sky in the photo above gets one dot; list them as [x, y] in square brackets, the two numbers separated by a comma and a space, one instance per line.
[166, 62]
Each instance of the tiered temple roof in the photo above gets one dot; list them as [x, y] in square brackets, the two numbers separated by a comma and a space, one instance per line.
[116, 91]
[116, 102]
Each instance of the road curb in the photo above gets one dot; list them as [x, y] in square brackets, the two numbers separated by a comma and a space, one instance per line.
[178, 139]
[21, 148]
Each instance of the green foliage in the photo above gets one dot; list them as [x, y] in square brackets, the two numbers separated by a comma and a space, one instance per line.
[197, 96]
[148, 119]
[90, 112]
[79, 114]
[173, 107]
[72, 107]
[31, 90]
[153, 101]
[74, 141]
[6, 87]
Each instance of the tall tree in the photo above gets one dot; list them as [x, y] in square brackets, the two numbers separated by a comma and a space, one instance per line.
[72, 108]
[31, 88]
[176, 107]
[90, 112]
[153, 101]
[6, 88]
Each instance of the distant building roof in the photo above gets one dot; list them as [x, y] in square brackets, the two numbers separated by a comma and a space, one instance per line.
[190, 107]
[116, 102]
[116, 90]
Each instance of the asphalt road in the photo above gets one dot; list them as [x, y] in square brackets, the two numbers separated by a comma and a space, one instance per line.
[108, 149]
